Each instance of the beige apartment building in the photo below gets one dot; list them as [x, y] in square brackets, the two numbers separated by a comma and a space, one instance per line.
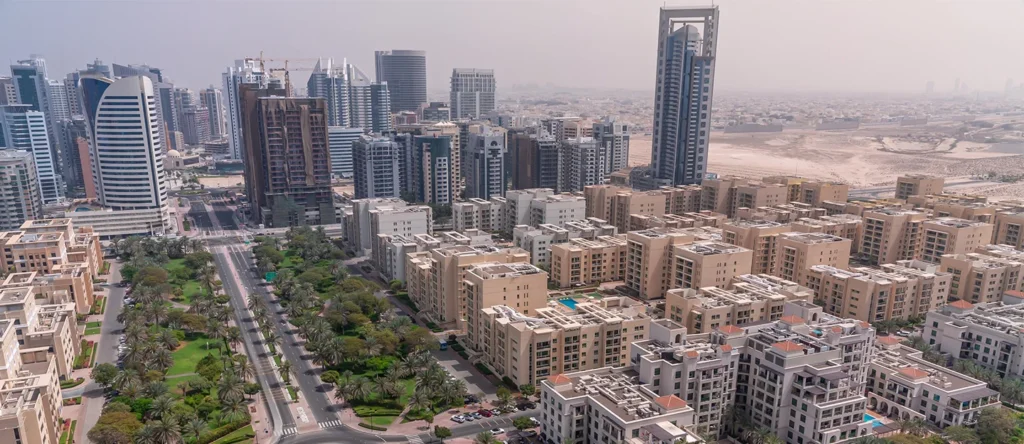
[30, 394]
[708, 263]
[649, 258]
[1009, 228]
[46, 327]
[962, 206]
[749, 299]
[894, 291]
[843, 225]
[980, 278]
[891, 235]
[559, 339]
[682, 199]
[727, 195]
[589, 261]
[816, 193]
[434, 279]
[798, 252]
[63, 257]
[761, 237]
[521, 287]
[616, 204]
[918, 185]
[690, 220]
[949, 235]
[782, 213]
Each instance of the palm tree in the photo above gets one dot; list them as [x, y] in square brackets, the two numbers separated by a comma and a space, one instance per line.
[166, 431]
[195, 427]
[167, 339]
[286, 371]
[254, 301]
[184, 386]
[230, 388]
[361, 388]
[147, 435]
[233, 336]
[156, 311]
[485, 438]
[162, 359]
[419, 400]
[155, 389]
[125, 378]
[233, 409]
[161, 406]
[214, 329]
[272, 338]
[244, 369]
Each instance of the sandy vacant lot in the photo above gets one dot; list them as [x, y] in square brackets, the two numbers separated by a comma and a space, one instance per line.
[864, 158]
[221, 181]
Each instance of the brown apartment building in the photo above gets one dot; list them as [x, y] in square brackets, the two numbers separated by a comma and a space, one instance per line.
[58, 257]
[727, 195]
[918, 185]
[949, 235]
[520, 286]
[588, 261]
[1009, 228]
[288, 168]
[893, 291]
[781, 213]
[761, 237]
[749, 299]
[891, 235]
[616, 204]
[972, 208]
[649, 258]
[708, 263]
[842, 225]
[985, 274]
[798, 252]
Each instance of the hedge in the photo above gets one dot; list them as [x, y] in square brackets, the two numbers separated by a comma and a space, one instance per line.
[372, 410]
[73, 383]
[372, 427]
[483, 369]
[224, 430]
[463, 354]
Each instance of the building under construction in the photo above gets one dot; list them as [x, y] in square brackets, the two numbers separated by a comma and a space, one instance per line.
[288, 167]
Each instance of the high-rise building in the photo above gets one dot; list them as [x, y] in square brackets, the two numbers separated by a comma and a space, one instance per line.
[582, 164]
[376, 161]
[682, 104]
[435, 154]
[59, 109]
[195, 125]
[369, 102]
[340, 140]
[30, 84]
[472, 93]
[8, 93]
[19, 189]
[243, 71]
[294, 189]
[25, 129]
[213, 100]
[613, 137]
[405, 73]
[154, 74]
[485, 160]
[536, 161]
[128, 169]
[74, 170]
[436, 112]
[330, 82]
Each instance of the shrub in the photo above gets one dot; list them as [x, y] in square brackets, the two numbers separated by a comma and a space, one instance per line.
[483, 369]
[224, 430]
[374, 410]
[372, 427]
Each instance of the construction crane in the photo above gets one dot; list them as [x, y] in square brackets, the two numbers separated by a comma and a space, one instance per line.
[285, 69]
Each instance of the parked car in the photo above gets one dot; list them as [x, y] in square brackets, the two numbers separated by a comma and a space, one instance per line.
[468, 417]
[477, 415]
[458, 418]
[496, 412]
[497, 431]
[486, 413]
[534, 421]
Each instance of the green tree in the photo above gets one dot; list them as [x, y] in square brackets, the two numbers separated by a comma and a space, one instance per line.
[286, 371]
[115, 428]
[961, 435]
[504, 396]
[522, 423]
[485, 438]
[995, 425]
[442, 433]
[251, 389]
[104, 374]
[330, 376]
[528, 390]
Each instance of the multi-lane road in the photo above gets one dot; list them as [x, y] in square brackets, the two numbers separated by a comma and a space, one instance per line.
[235, 263]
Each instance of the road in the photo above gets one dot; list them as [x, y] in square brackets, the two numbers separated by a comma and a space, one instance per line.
[106, 351]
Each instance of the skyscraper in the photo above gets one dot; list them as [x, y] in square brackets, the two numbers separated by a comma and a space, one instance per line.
[19, 189]
[25, 129]
[613, 137]
[436, 112]
[405, 72]
[435, 154]
[154, 74]
[376, 167]
[582, 164]
[30, 84]
[195, 125]
[213, 100]
[330, 83]
[472, 92]
[682, 104]
[243, 71]
[288, 164]
[127, 164]
[536, 161]
[485, 164]
[340, 140]
[369, 102]
[8, 94]
[58, 100]
[71, 132]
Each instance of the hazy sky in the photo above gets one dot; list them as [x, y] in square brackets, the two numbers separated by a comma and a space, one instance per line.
[777, 45]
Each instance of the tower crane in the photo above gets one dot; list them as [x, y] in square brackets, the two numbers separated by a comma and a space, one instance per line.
[285, 61]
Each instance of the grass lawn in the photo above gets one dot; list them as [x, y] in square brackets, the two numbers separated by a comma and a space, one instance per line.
[189, 288]
[380, 421]
[244, 435]
[187, 356]
[92, 328]
[172, 383]
[293, 393]
[93, 331]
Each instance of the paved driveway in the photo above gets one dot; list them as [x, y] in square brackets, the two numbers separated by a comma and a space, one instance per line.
[476, 382]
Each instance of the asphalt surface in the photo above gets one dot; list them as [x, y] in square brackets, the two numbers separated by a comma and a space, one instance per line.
[106, 351]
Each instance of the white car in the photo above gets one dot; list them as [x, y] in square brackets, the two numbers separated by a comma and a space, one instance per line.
[458, 418]
[497, 431]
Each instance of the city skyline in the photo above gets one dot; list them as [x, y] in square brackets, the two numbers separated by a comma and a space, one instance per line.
[832, 61]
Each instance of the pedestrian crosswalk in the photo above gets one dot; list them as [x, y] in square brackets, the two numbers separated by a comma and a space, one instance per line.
[414, 439]
[287, 431]
[329, 424]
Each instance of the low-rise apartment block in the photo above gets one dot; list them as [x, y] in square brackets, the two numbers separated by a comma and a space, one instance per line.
[1009, 228]
[749, 299]
[615, 204]
[539, 240]
[798, 252]
[801, 377]
[649, 258]
[727, 195]
[901, 384]
[541, 206]
[685, 220]
[949, 235]
[588, 261]
[518, 286]
[559, 338]
[405, 221]
[480, 214]
[761, 237]
[30, 394]
[895, 291]
[972, 208]
[782, 213]
[609, 405]
[434, 279]
[980, 277]
[703, 264]
[988, 334]
[843, 225]
[891, 235]
[391, 258]
[918, 185]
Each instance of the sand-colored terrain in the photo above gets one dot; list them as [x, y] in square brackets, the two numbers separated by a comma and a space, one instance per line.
[221, 181]
[871, 157]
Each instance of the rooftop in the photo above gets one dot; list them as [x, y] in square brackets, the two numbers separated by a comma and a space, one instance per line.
[813, 238]
[907, 363]
[708, 248]
[619, 391]
[954, 222]
[500, 271]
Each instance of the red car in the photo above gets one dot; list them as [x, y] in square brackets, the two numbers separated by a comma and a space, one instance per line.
[484, 412]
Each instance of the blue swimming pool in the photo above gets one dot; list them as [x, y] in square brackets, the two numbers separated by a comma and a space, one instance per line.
[874, 421]
[568, 302]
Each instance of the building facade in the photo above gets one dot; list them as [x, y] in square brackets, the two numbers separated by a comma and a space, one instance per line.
[26, 130]
[472, 93]
[376, 167]
[19, 189]
[405, 72]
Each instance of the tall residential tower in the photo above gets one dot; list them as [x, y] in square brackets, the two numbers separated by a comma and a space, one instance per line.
[472, 93]
[405, 73]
